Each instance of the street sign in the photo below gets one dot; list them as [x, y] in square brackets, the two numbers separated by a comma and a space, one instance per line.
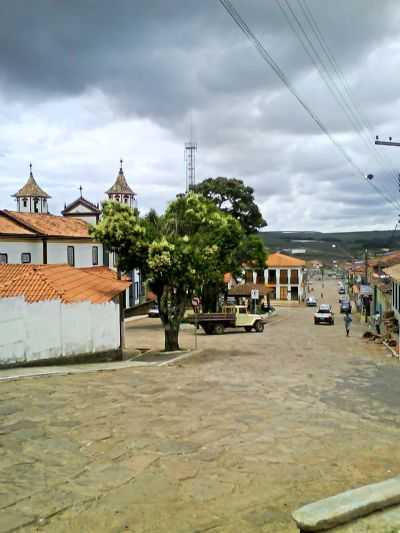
[366, 290]
[255, 293]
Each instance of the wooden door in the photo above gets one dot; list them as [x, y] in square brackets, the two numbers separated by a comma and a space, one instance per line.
[283, 295]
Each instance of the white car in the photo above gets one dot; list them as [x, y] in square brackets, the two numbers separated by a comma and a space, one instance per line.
[324, 315]
[154, 312]
[311, 301]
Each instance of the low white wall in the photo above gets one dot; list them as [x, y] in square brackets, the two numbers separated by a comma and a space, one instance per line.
[29, 332]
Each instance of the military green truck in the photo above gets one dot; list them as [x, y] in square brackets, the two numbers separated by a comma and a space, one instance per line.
[232, 316]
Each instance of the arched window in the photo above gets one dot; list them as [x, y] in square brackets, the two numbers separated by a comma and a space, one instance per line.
[36, 205]
[126, 198]
[25, 202]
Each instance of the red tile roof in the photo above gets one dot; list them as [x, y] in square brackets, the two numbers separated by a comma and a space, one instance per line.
[245, 289]
[58, 282]
[105, 272]
[393, 272]
[49, 225]
[390, 259]
[10, 227]
[280, 260]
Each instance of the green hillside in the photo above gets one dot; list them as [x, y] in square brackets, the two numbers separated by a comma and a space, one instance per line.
[319, 245]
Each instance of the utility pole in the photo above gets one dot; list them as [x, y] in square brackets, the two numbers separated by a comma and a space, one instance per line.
[366, 283]
[386, 143]
[366, 265]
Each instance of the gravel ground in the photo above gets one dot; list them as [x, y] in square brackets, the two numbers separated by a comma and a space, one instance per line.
[230, 440]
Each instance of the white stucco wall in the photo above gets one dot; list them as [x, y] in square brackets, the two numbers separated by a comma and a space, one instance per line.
[57, 253]
[14, 249]
[289, 285]
[30, 332]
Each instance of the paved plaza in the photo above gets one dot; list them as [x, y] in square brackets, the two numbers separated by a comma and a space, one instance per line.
[230, 440]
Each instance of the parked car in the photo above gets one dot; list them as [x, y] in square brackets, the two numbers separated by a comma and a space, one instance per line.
[324, 315]
[345, 306]
[154, 312]
[311, 301]
[343, 298]
[232, 316]
[342, 290]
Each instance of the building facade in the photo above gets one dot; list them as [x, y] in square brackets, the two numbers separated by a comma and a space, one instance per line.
[284, 275]
[31, 235]
[56, 311]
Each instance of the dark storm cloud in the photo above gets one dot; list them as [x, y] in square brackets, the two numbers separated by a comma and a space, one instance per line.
[162, 58]
[161, 61]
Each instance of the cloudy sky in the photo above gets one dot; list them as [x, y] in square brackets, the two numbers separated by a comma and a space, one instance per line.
[85, 82]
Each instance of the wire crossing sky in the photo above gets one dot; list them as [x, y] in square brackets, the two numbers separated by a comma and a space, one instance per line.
[282, 76]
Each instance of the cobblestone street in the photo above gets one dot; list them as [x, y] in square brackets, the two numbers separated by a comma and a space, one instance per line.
[230, 440]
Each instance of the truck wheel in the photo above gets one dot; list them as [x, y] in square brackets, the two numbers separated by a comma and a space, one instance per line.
[316, 322]
[259, 326]
[219, 329]
[208, 330]
[248, 328]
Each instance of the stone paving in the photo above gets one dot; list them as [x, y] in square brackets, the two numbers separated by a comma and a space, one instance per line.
[230, 440]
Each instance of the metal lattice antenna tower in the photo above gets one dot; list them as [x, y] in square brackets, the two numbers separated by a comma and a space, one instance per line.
[190, 159]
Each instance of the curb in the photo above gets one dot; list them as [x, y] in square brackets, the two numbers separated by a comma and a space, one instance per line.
[122, 365]
[393, 352]
[348, 506]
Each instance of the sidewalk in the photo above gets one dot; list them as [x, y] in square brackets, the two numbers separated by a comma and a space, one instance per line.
[13, 374]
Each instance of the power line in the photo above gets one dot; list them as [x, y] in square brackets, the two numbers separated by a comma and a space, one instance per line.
[362, 121]
[231, 10]
[327, 77]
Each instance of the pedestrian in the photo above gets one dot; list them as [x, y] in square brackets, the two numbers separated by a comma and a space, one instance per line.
[347, 323]
[377, 322]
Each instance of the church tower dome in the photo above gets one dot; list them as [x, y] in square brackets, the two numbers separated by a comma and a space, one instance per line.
[120, 191]
[31, 198]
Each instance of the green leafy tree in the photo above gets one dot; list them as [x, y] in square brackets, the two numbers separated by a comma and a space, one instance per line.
[193, 243]
[234, 197]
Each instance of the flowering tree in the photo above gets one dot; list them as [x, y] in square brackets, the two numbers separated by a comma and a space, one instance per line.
[193, 243]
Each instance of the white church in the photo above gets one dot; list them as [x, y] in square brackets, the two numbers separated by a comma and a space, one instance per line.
[32, 235]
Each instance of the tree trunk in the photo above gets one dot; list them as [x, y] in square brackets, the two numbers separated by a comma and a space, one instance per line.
[171, 338]
[171, 303]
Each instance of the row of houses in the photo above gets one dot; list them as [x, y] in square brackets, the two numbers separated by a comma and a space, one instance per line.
[31, 235]
[375, 287]
[60, 295]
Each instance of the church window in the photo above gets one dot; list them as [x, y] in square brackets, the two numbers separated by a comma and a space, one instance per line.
[36, 205]
[126, 199]
[3, 259]
[95, 255]
[25, 257]
[25, 202]
[71, 255]
[117, 197]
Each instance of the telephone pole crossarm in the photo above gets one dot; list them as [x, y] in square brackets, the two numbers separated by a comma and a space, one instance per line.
[387, 143]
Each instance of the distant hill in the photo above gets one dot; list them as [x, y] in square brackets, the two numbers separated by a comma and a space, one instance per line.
[318, 245]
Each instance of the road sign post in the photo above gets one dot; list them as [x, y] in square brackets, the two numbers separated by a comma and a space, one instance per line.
[255, 294]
